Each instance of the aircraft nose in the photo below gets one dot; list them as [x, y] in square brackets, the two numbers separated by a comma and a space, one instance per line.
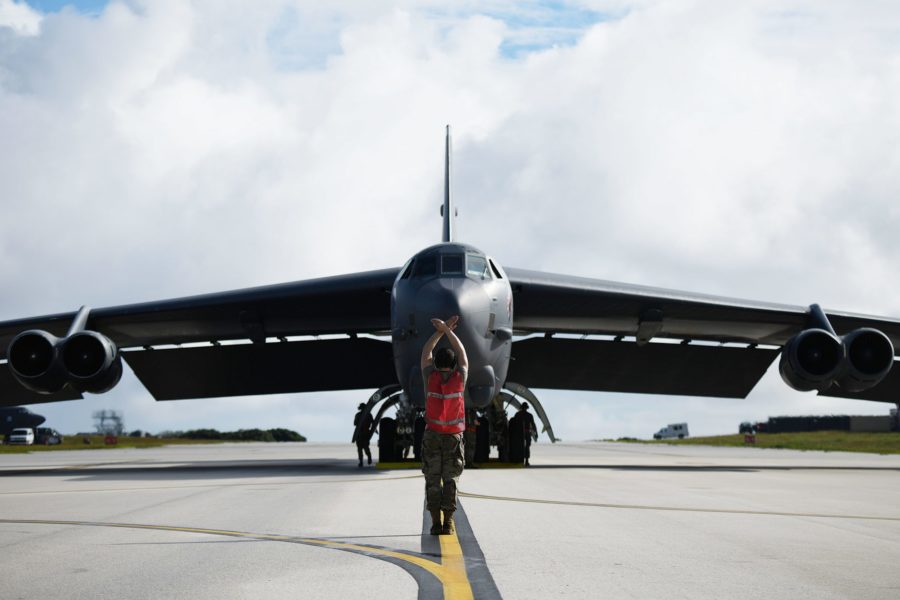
[444, 298]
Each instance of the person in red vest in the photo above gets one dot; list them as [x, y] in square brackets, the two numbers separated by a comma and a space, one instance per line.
[443, 454]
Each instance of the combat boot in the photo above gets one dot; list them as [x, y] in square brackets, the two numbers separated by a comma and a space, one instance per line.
[448, 527]
[436, 522]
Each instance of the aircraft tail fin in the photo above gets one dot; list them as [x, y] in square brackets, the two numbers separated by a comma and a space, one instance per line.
[447, 209]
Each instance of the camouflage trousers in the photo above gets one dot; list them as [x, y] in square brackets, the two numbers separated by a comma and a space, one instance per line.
[469, 438]
[442, 464]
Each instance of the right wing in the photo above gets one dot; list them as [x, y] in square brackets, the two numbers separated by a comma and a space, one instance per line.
[352, 304]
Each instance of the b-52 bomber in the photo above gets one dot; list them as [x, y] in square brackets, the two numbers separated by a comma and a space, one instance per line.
[516, 326]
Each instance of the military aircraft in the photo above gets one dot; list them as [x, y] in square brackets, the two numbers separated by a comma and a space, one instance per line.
[521, 329]
[14, 417]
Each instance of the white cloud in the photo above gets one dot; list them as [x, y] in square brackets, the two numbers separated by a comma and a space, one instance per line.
[19, 17]
[161, 149]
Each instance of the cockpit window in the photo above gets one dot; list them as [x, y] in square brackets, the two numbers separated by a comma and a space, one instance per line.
[451, 264]
[426, 266]
[476, 266]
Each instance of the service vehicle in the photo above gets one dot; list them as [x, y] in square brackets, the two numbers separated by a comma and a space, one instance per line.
[47, 436]
[22, 435]
[673, 430]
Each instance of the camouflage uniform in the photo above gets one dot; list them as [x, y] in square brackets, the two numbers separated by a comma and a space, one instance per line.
[470, 436]
[443, 458]
[442, 464]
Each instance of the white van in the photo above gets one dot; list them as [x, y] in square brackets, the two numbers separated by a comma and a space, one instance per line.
[22, 435]
[673, 430]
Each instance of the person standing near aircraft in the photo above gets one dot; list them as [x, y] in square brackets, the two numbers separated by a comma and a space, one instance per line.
[470, 437]
[443, 455]
[529, 430]
[363, 433]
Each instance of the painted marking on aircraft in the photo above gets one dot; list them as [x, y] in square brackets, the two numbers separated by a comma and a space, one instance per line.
[676, 508]
[446, 572]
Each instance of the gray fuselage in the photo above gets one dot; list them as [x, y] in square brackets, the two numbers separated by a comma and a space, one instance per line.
[442, 281]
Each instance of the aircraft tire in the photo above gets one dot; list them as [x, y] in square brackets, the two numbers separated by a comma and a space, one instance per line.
[482, 441]
[516, 440]
[387, 440]
[418, 434]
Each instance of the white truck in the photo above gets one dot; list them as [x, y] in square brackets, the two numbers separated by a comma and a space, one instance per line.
[673, 430]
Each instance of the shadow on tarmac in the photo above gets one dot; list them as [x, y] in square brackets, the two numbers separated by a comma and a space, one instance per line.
[231, 469]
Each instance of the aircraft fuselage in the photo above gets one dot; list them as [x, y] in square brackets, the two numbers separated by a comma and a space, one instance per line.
[445, 280]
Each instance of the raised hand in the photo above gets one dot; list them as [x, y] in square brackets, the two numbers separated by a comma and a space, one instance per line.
[452, 322]
[438, 324]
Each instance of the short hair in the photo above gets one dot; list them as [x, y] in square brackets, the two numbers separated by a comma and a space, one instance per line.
[445, 358]
[525, 405]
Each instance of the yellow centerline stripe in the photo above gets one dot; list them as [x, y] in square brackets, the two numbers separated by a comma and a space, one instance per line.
[451, 571]
[677, 509]
[456, 580]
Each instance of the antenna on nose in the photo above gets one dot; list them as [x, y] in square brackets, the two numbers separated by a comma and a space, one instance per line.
[447, 210]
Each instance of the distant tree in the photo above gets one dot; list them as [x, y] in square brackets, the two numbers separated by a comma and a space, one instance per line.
[286, 435]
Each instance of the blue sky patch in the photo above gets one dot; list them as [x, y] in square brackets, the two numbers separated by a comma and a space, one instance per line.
[88, 7]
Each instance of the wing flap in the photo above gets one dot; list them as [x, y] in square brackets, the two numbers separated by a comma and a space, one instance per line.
[273, 368]
[610, 366]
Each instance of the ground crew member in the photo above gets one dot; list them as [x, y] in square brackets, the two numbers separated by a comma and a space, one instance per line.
[529, 430]
[470, 436]
[444, 375]
[363, 433]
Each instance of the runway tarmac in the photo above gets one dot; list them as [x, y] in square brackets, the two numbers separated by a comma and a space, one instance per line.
[591, 520]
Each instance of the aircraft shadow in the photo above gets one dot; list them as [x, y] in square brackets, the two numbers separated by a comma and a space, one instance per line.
[233, 469]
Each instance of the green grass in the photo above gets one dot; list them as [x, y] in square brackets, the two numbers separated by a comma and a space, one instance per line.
[829, 441]
[71, 442]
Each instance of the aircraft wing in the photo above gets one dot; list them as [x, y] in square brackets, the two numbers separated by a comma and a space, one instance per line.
[351, 304]
[702, 345]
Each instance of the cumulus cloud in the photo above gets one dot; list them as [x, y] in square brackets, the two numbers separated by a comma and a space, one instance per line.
[19, 17]
[159, 149]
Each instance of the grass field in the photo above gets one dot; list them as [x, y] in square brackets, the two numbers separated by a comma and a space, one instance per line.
[829, 441]
[77, 443]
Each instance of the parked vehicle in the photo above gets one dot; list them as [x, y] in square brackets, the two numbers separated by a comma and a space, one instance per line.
[746, 427]
[48, 436]
[673, 430]
[22, 435]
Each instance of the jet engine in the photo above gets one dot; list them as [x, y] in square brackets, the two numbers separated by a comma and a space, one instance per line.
[43, 363]
[870, 355]
[32, 357]
[811, 360]
[91, 361]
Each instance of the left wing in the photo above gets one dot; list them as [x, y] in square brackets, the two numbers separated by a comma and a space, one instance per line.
[352, 304]
[715, 339]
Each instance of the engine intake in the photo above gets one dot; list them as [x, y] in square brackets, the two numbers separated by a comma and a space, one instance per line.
[91, 361]
[811, 360]
[87, 360]
[32, 357]
[870, 356]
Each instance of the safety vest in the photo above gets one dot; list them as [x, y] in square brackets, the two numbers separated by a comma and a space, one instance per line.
[445, 407]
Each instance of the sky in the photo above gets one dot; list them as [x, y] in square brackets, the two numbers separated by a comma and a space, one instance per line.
[157, 149]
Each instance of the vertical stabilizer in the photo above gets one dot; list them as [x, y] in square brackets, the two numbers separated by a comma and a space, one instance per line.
[447, 210]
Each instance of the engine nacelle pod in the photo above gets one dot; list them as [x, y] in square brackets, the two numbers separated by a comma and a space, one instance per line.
[33, 361]
[870, 356]
[91, 362]
[811, 360]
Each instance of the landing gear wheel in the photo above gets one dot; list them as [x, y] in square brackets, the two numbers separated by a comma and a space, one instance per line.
[387, 440]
